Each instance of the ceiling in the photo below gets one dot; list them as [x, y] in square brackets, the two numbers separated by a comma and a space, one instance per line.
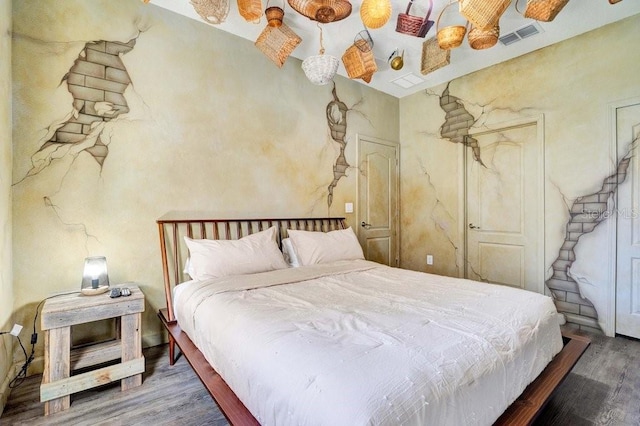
[577, 17]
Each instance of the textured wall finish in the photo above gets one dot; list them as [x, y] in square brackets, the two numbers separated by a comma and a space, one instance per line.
[6, 277]
[577, 159]
[195, 119]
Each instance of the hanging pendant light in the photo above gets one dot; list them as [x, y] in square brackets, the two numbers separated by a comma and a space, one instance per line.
[375, 13]
[320, 69]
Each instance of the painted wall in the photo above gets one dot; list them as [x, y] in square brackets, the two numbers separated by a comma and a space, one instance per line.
[6, 285]
[571, 84]
[124, 111]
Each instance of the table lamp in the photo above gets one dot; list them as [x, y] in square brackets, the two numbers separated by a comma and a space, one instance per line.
[95, 279]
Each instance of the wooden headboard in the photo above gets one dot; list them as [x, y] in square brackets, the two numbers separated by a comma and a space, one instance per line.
[174, 226]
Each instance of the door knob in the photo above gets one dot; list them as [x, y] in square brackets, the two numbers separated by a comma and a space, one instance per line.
[365, 224]
[472, 226]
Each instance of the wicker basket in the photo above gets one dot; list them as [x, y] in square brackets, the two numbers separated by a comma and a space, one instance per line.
[323, 11]
[451, 36]
[414, 25]
[250, 10]
[363, 40]
[359, 64]
[375, 13]
[483, 39]
[320, 69]
[483, 14]
[433, 57]
[277, 43]
[212, 11]
[543, 10]
[274, 16]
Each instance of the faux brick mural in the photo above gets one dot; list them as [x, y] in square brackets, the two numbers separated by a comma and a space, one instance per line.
[586, 214]
[97, 80]
[458, 122]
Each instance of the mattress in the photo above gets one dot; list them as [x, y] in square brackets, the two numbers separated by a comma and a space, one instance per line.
[359, 343]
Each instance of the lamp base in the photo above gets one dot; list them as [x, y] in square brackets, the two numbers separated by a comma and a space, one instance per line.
[90, 291]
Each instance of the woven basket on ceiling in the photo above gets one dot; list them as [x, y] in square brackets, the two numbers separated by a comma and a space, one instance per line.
[483, 14]
[323, 11]
[358, 63]
[274, 16]
[277, 43]
[543, 10]
[375, 13]
[250, 10]
[414, 25]
[433, 57]
[451, 36]
[212, 11]
[483, 39]
[320, 69]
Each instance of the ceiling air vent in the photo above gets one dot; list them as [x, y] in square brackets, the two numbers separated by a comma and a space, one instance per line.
[527, 31]
[407, 81]
[519, 34]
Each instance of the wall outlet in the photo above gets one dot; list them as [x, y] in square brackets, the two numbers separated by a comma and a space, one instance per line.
[429, 259]
[17, 328]
[348, 207]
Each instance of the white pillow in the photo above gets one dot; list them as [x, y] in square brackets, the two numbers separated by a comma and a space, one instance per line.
[322, 247]
[289, 253]
[219, 258]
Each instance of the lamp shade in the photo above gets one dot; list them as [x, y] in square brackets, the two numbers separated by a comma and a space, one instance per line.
[320, 69]
[375, 13]
[95, 279]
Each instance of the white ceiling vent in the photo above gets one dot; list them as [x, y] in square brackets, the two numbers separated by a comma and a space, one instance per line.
[407, 80]
[520, 34]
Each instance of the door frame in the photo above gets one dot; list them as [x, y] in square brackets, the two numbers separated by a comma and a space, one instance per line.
[612, 225]
[360, 138]
[538, 121]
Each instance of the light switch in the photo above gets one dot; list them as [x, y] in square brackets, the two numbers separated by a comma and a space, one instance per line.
[348, 207]
[429, 259]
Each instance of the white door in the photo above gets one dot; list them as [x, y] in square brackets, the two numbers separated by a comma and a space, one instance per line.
[628, 223]
[504, 200]
[378, 209]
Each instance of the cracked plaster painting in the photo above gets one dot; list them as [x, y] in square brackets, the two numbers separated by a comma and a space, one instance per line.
[97, 81]
[209, 128]
[586, 213]
[337, 121]
[458, 123]
[571, 290]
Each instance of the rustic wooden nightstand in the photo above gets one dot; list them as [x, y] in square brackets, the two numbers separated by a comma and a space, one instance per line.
[58, 315]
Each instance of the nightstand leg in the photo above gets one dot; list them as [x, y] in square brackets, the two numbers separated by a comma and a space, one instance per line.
[56, 364]
[131, 346]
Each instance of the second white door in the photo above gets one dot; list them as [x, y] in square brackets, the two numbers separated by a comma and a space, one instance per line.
[504, 198]
[378, 209]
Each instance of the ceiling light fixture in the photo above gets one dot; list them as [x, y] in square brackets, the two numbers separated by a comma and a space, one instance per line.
[320, 69]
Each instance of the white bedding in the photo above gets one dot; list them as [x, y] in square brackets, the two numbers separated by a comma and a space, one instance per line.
[358, 343]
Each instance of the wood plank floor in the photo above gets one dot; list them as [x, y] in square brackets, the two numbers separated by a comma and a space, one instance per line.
[603, 389]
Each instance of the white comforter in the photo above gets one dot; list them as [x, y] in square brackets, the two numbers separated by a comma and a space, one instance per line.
[358, 343]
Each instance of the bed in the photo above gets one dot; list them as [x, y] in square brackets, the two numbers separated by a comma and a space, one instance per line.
[345, 341]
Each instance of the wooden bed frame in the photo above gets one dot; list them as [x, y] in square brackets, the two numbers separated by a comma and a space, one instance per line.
[173, 226]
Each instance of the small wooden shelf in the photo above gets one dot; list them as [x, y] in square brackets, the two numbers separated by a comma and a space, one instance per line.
[62, 312]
